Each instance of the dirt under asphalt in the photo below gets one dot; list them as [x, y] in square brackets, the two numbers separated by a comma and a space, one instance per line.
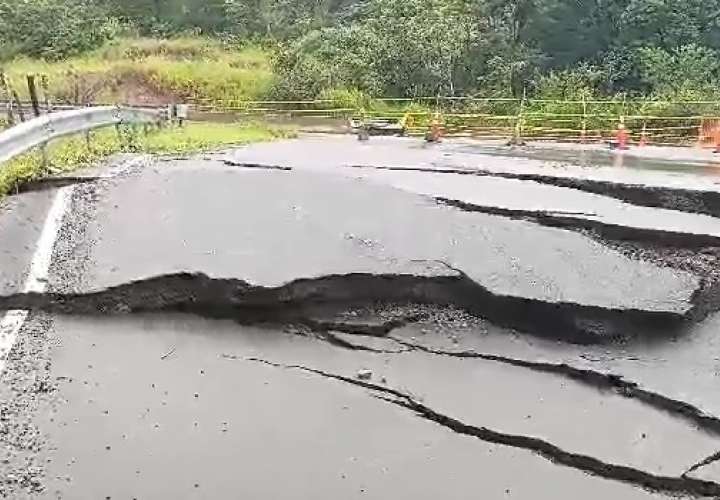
[369, 321]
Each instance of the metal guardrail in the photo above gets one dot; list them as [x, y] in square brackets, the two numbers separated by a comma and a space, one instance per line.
[32, 133]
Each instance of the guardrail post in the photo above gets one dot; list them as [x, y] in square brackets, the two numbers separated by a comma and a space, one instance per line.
[45, 85]
[5, 87]
[32, 90]
[18, 103]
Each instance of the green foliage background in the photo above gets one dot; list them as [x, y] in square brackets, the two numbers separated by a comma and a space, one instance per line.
[408, 48]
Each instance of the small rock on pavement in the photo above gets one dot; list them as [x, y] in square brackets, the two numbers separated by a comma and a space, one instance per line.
[364, 375]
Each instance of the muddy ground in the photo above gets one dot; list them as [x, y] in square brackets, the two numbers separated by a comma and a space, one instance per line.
[320, 318]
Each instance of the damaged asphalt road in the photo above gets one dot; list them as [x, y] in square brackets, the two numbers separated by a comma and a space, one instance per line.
[209, 325]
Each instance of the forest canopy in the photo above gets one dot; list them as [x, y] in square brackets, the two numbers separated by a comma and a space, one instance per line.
[407, 48]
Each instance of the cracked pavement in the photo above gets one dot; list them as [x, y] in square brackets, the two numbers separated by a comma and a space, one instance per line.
[366, 321]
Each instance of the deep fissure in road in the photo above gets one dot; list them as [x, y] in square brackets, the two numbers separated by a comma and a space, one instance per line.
[604, 230]
[246, 303]
[683, 200]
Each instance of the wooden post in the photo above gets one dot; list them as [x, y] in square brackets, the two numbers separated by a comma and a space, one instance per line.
[76, 88]
[32, 90]
[45, 85]
[18, 103]
[5, 87]
[583, 132]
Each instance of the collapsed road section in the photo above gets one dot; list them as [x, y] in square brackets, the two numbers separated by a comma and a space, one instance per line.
[544, 334]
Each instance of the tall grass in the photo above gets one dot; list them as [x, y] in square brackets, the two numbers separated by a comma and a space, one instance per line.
[183, 68]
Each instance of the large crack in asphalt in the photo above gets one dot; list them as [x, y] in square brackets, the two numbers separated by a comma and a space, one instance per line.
[246, 303]
[703, 463]
[260, 166]
[604, 230]
[592, 378]
[683, 200]
[545, 449]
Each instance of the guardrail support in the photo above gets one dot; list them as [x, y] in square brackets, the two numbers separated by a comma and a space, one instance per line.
[39, 131]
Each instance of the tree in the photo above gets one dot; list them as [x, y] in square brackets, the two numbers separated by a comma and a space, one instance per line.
[53, 29]
[687, 68]
[404, 47]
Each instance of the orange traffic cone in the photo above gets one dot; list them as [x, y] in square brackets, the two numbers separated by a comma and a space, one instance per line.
[434, 133]
[622, 137]
[643, 137]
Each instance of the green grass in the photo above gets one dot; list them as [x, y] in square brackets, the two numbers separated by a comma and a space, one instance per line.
[145, 69]
[206, 136]
[69, 154]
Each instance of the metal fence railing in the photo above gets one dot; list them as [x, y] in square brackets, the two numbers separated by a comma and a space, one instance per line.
[522, 120]
[27, 135]
[525, 119]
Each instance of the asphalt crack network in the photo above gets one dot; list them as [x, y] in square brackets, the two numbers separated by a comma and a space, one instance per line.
[545, 449]
[289, 304]
[593, 378]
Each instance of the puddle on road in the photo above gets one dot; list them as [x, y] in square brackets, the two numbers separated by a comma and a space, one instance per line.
[598, 158]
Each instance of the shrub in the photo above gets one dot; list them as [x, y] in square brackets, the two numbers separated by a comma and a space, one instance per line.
[53, 29]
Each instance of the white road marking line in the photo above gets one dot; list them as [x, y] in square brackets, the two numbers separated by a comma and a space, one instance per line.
[36, 280]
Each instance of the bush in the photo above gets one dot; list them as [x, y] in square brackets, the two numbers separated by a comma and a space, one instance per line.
[53, 29]
[400, 48]
[690, 68]
[347, 99]
[156, 71]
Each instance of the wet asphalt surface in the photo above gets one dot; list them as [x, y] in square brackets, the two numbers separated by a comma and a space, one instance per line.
[354, 336]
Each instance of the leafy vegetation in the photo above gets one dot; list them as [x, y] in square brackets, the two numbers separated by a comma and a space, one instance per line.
[69, 154]
[143, 70]
[401, 48]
